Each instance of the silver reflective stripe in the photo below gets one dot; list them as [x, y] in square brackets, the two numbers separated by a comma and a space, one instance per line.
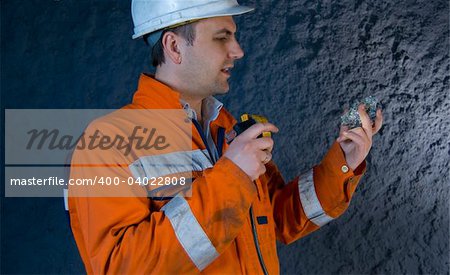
[66, 199]
[190, 233]
[311, 204]
[171, 163]
[171, 190]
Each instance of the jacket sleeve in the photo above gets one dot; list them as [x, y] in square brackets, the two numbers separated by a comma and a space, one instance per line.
[125, 235]
[314, 198]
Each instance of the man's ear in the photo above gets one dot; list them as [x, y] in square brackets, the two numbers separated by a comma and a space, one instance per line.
[171, 42]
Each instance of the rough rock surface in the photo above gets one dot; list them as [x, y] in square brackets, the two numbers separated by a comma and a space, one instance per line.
[305, 60]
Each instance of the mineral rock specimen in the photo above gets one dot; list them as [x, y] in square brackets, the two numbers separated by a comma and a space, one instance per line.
[351, 118]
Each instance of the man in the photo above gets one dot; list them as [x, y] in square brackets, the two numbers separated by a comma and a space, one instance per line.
[239, 203]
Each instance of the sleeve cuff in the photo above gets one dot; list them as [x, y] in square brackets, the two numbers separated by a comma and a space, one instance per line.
[335, 162]
[336, 181]
[236, 175]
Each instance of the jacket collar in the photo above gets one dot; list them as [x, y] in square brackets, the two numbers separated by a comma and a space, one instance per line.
[210, 109]
[152, 94]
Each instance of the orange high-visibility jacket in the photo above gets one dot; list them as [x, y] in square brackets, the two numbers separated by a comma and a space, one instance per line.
[228, 225]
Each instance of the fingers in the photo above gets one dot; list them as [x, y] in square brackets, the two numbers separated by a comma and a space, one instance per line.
[369, 128]
[343, 128]
[378, 122]
[365, 121]
[255, 130]
[357, 135]
[264, 143]
[349, 135]
[265, 156]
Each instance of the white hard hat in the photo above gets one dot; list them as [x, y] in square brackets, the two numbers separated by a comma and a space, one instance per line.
[154, 15]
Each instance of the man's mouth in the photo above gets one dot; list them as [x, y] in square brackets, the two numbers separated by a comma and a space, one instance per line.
[227, 70]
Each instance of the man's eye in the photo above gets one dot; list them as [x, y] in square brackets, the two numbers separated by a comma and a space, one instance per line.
[222, 38]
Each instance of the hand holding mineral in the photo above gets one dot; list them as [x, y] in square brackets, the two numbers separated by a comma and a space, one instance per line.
[356, 142]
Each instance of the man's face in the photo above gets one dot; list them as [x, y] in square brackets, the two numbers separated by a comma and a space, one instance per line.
[207, 63]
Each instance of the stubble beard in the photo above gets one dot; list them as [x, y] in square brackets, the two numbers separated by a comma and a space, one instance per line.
[217, 86]
[206, 84]
[221, 87]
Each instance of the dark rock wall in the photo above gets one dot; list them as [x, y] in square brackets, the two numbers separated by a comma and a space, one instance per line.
[305, 60]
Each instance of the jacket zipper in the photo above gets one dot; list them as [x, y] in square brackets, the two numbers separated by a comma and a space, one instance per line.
[255, 238]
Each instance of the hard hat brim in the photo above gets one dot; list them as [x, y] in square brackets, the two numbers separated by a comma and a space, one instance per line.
[230, 11]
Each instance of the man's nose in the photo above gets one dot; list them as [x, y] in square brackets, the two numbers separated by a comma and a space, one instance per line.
[236, 51]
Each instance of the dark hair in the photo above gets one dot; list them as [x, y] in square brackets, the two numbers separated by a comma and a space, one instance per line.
[186, 31]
